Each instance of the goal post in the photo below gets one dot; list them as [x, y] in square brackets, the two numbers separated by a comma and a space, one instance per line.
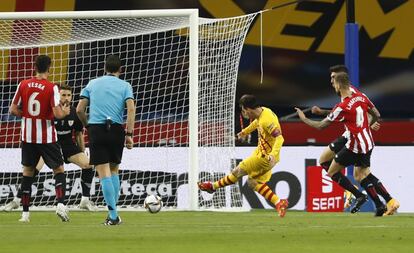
[183, 70]
[193, 113]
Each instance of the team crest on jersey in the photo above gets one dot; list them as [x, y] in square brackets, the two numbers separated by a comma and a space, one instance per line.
[270, 127]
[70, 122]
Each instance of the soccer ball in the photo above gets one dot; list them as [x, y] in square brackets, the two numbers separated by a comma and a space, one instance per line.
[153, 203]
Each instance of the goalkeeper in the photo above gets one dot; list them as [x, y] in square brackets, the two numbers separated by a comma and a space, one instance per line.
[259, 165]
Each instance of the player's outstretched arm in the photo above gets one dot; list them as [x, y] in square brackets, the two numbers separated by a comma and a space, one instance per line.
[318, 111]
[313, 123]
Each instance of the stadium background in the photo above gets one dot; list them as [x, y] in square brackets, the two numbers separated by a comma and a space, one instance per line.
[300, 42]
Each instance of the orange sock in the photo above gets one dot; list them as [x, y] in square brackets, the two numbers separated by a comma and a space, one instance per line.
[227, 180]
[266, 192]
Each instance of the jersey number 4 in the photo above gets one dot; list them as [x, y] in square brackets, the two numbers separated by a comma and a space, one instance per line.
[359, 116]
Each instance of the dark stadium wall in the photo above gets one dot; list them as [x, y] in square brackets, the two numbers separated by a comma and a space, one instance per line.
[300, 42]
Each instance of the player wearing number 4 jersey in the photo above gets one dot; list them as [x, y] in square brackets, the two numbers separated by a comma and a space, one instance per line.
[329, 153]
[37, 102]
[353, 112]
[259, 165]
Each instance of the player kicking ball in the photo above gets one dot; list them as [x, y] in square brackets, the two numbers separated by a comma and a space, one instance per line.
[72, 152]
[259, 165]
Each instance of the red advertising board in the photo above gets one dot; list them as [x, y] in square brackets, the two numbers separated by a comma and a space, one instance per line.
[322, 194]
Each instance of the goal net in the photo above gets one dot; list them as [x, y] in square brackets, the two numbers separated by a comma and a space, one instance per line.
[158, 53]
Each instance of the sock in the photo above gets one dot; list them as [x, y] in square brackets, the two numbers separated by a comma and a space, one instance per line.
[344, 182]
[379, 187]
[369, 187]
[227, 180]
[60, 187]
[19, 191]
[116, 184]
[26, 192]
[325, 165]
[109, 196]
[86, 181]
[267, 193]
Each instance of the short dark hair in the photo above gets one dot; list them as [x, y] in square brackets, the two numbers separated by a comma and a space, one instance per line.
[249, 101]
[42, 63]
[64, 86]
[342, 78]
[112, 64]
[339, 68]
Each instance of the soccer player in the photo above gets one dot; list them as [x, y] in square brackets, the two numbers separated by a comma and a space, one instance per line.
[37, 102]
[352, 111]
[72, 153]
[328, 154]
[107, 97]
[259, 165]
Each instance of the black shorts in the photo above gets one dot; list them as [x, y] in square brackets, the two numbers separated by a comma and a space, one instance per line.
[50, 152]
[346, 158]
[69, 150]
[338, 144]
[106, 146]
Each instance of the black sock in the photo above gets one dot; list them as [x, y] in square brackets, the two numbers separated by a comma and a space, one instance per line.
[60, 187]
[86, 181]
[325, 165]
[369, 187]
[344, 182]
[26, 189]
[19, 191]
[379, 187]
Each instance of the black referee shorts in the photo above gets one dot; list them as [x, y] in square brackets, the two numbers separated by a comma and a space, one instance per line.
[106, 146]
[50, 152]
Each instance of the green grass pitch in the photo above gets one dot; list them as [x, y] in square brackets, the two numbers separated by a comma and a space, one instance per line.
[255, 231]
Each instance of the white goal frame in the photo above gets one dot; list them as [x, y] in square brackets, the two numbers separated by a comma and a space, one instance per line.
[193, 16]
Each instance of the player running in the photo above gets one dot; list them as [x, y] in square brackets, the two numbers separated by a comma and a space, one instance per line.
[352, 111]
[328, 154]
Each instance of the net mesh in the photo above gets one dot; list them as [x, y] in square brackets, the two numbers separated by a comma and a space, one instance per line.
[155, 57]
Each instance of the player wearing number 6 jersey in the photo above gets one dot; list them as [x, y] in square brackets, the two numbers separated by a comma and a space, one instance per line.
[37, 102]
[259, 165]
[73, 152]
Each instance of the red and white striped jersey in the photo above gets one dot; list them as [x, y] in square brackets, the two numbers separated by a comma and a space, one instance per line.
[353, 112]
[36, 98]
